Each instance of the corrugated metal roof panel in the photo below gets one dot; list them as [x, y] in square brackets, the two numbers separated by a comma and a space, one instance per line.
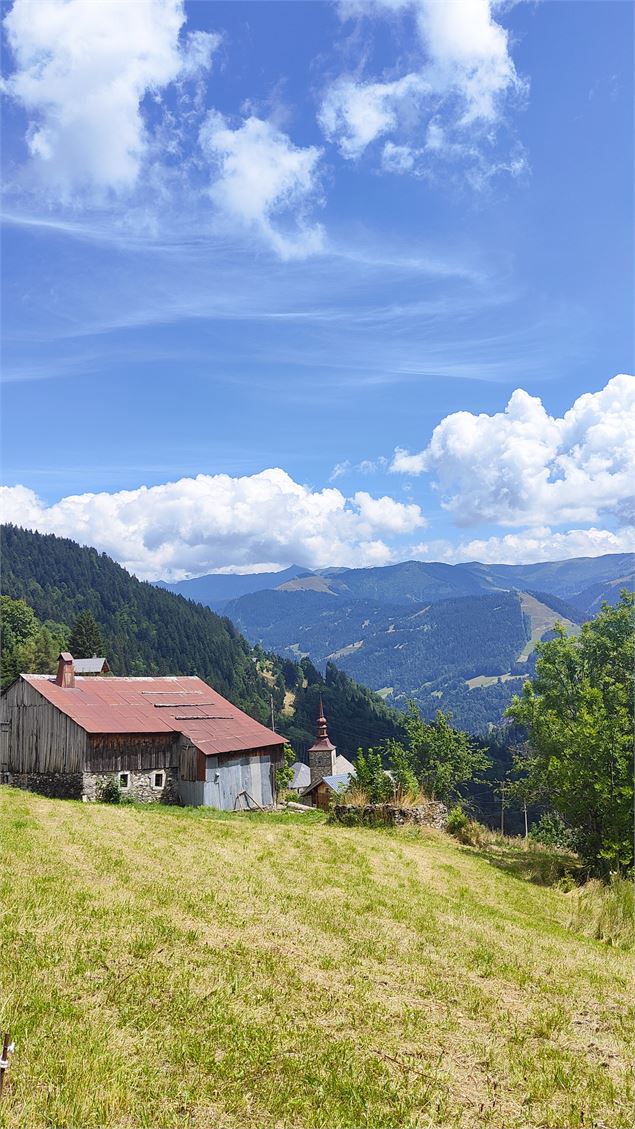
[126, 705]
[338, 783]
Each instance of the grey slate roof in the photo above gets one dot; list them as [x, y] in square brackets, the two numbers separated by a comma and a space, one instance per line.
[89, 666]
[301, 775]
[342, 765]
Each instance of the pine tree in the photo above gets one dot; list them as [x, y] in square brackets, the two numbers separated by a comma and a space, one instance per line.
[85, 640]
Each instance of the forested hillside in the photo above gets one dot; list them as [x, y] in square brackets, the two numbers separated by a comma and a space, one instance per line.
[146, 630]
[430, 653]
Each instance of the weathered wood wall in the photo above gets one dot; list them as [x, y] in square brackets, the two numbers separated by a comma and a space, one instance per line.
[131, 752]
[37, 737]
[190, 766]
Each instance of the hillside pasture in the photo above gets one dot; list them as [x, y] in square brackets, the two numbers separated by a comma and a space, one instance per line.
[166, 967]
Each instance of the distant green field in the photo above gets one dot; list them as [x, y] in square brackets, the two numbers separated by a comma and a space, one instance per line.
[179, 968]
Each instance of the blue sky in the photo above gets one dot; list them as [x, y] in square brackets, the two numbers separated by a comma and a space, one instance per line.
[273, 271]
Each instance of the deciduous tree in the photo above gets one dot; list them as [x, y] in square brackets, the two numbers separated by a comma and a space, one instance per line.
[578, 714]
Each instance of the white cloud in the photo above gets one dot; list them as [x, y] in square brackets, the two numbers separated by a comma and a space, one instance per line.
[82, 71]
[386, 514]
[525, 467]
[339, 469]
[353, 114]
[460, 90]
[198, 524]
[528, 546]
[264, 181]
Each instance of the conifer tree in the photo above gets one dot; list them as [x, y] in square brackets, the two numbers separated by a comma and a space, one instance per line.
[85, 640]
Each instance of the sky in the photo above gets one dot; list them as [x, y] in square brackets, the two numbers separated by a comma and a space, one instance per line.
[319, 283]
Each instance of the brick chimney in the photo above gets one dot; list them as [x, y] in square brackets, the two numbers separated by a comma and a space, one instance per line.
[65, 670]
[322, 752]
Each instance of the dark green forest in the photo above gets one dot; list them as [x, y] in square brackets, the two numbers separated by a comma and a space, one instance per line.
[148, 631]
[424, 653]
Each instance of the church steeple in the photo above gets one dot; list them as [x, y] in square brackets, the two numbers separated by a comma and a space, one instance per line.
[322, 753]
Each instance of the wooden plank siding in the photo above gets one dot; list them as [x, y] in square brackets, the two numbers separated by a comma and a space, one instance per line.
[131, 752]
[189, 757]
[37, 737]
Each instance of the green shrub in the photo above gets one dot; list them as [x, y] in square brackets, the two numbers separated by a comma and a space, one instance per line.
[457, 821]
[370, 777]
[552, 831]
[109, 792]
[284, 772]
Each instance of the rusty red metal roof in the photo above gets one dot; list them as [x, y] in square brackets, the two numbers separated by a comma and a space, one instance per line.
[157, 705]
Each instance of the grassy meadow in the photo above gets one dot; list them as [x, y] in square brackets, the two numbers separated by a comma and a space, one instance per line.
[179, 968]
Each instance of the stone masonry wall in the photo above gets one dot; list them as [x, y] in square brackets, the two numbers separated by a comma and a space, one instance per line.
[57, 785]
[141, 786]
[321, 764]
[431, 814]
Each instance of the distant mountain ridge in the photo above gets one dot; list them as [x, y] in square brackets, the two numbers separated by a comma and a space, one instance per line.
[583, 582]
[458, 637]
[216, 588]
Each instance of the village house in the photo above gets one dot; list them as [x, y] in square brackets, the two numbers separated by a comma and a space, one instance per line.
[172, 739]
[329, 773]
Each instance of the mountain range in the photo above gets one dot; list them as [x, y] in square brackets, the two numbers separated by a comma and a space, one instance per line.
[458, 637]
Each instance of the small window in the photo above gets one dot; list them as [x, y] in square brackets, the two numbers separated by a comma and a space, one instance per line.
[124, 779]
[158, 779]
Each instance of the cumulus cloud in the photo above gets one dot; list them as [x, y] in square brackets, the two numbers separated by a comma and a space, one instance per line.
[209, 522]
[82, 70]
[525, 467]
[458, 93]
[529, 546]
[264, 181]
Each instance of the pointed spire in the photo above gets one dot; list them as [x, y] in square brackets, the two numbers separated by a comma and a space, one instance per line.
[322, 733]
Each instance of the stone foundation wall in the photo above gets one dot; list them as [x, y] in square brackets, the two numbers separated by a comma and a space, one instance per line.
[141, 786]
[57, 785]
[431, 814]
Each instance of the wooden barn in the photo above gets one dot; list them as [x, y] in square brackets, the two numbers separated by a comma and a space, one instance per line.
[174, 739]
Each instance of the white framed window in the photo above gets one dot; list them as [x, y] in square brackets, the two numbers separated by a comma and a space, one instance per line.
[124, 779]
[159, 778]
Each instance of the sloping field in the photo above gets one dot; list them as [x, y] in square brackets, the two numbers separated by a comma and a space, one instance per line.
[165, 968]
[542, 619]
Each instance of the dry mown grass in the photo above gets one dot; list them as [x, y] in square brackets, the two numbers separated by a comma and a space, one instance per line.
[169, 968]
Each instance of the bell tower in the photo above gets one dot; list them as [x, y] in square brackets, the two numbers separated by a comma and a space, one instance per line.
[322, 753]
